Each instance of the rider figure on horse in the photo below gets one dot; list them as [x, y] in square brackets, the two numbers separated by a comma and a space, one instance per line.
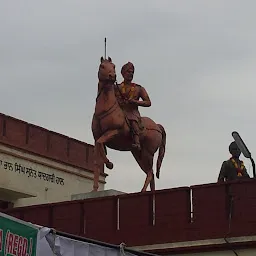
[129, 95]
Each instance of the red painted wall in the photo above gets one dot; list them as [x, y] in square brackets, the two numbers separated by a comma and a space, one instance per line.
[37, 140]
[133, 213]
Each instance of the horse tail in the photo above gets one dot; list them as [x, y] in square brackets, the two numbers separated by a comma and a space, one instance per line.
[161, 152]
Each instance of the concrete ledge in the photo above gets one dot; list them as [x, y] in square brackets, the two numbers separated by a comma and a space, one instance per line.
[13, 194]
[200, 245]
[96, 194]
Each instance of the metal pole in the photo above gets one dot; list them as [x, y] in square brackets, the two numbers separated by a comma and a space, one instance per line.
[105, 49]
[253, 167]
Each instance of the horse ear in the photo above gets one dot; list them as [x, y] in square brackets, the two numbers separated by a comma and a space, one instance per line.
[109, 59]
[101, 59]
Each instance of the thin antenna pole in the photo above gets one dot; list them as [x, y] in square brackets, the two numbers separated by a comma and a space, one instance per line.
[105, 48]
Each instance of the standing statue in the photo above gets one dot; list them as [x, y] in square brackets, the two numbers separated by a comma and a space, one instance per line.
[233, 168]
[117, 124]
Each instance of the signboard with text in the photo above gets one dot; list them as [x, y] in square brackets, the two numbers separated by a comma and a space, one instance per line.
[17, 237]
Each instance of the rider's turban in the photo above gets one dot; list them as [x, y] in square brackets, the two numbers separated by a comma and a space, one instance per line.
[127, 66]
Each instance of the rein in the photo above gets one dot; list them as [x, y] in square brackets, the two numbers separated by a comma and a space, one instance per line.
[113, 107]
[109, 111]
[101, 90]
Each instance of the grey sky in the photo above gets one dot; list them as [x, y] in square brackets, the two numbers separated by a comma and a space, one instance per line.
[196, 58]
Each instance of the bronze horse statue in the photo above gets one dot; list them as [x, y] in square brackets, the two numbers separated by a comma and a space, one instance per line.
[111, 129]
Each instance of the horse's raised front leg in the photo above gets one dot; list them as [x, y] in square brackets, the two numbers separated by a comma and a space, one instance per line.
[100, 155]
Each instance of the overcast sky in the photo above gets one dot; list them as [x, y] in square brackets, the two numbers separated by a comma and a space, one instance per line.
[197, 60]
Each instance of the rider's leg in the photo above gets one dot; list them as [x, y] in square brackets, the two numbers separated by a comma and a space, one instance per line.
[136, 130]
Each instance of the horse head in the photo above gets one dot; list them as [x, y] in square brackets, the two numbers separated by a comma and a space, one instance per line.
[107, 71]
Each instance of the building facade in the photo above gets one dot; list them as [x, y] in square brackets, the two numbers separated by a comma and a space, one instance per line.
[208, 219]
[39, 166]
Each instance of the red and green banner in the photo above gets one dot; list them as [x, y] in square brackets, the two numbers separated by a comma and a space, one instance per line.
[17, 237]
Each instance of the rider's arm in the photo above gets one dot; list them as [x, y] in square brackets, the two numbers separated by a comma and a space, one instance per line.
[245, 173]
[145, 102]
[222, 174]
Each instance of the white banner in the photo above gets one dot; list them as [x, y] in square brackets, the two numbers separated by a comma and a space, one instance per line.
[52, 244]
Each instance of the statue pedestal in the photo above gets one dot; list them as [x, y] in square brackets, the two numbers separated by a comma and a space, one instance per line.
[96, 194]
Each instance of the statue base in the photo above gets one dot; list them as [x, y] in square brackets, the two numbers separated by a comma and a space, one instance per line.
[96, 194]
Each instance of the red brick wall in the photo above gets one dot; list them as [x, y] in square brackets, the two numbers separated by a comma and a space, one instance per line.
[172, 214]
[14, 131]
[98, 218]
[38, 140]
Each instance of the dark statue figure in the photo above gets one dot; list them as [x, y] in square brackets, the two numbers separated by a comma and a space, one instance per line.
[117, 123]
[233, 169]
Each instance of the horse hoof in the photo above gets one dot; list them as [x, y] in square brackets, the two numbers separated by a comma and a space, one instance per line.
[109, 165]
[95, 189]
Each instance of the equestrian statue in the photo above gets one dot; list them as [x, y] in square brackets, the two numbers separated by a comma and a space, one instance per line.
[117, 123]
